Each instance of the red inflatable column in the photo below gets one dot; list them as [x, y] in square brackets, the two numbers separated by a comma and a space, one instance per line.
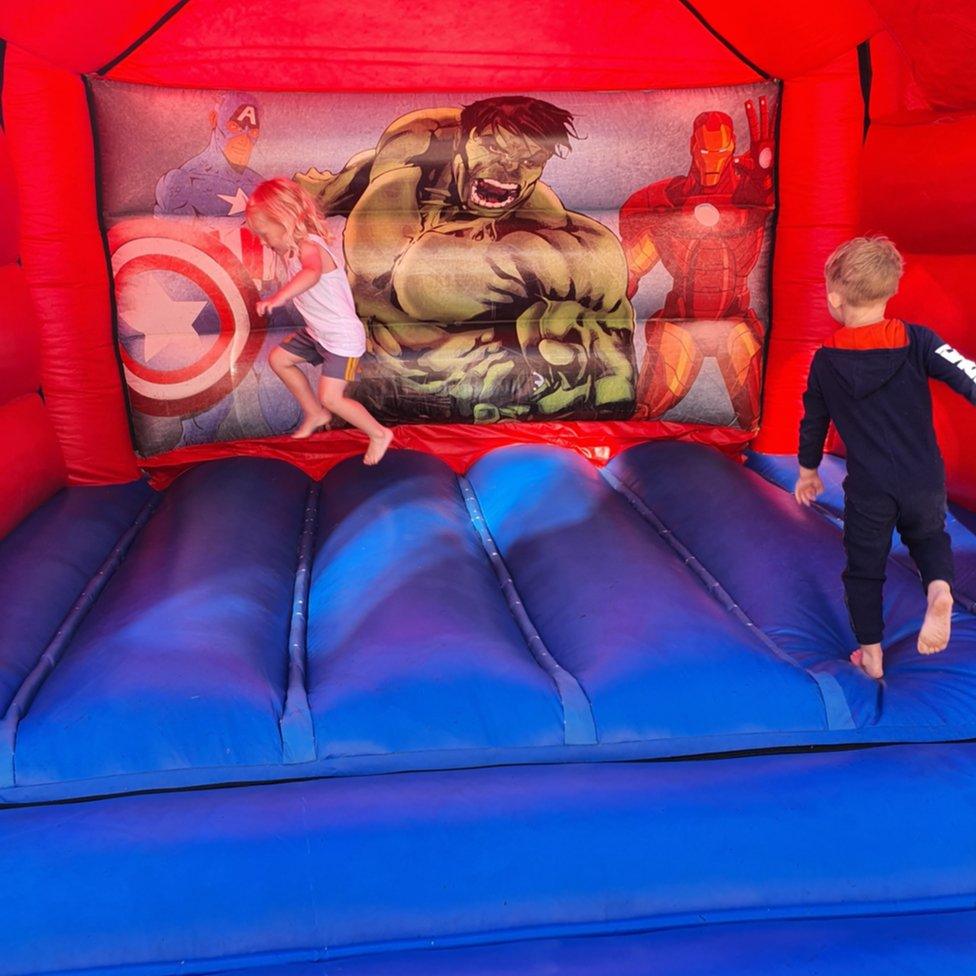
[821, 133]
[926, 204]
[31, 465]
[50, 139]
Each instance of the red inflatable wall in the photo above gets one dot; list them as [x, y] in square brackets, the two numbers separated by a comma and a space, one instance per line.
[820, 148]
[49, 132]
[31, 465]
[917, 188]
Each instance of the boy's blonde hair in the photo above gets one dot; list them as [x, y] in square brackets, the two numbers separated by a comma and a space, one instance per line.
[290, 205]
[865, 270]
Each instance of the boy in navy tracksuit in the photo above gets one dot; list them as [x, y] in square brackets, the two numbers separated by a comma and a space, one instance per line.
[871, 379]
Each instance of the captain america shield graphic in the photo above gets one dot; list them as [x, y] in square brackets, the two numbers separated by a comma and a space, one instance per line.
[188, 332]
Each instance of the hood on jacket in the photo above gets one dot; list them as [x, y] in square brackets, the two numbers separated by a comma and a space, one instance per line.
[865, 371]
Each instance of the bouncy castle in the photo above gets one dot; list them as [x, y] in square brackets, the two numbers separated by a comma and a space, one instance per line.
[561, 685]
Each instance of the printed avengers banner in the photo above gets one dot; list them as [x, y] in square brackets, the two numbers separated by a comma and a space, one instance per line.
[514, 257]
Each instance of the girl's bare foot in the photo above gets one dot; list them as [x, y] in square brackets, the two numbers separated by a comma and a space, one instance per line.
[934, 635]
[377, 447]
[869, 658]
[311, 422]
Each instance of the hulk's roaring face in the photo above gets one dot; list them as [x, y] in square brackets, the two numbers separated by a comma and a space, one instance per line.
[502, 148]
[499, 170]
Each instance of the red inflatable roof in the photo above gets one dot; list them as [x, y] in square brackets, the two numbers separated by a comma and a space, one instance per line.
[437, 44]
[434, 43]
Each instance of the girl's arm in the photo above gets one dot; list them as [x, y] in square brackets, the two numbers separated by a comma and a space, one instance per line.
[314, 265]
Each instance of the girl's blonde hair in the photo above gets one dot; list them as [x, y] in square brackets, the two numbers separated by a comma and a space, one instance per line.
[291, 206]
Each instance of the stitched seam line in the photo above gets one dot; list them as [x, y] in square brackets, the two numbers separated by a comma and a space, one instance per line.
[579, 727]
[295, 724]
[836, 708]
[56, 647]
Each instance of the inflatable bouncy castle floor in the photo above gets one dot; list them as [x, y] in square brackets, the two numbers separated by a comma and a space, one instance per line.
[458, 633]
[562, 684]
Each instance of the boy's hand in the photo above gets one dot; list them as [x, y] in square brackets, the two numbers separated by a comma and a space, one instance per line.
[265, 306]
[808, 486]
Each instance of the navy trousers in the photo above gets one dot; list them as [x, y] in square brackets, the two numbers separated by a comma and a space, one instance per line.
[869, 519]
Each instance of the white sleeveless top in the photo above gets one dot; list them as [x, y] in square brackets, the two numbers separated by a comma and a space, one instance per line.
[328, 308]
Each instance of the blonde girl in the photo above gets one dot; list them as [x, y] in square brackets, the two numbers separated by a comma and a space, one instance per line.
[285, 218]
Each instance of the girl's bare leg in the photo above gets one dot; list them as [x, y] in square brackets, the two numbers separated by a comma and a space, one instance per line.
[333, 397]
[314, 414]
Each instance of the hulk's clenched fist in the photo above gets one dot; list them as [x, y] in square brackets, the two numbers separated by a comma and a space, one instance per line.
[485, 298]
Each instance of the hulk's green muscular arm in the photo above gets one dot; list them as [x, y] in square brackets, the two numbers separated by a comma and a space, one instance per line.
[578, 333]
[406, 140]
[564, 278]
[583, 356]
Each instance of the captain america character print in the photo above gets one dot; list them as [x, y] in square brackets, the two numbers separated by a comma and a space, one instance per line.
[212, 187]
[217, 181]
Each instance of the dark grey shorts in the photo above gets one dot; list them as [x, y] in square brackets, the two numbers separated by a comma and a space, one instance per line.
[335, 367]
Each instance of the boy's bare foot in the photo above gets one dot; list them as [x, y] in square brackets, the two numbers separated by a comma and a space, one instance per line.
[311, 422]
[869, 658]
[377, 447]
[934, 635]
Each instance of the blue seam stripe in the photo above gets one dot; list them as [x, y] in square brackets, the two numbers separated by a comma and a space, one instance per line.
[33, 681]
[297, 730]
[837, 712]
[579, 727]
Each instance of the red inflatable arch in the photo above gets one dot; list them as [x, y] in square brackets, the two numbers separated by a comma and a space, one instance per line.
[876, 131]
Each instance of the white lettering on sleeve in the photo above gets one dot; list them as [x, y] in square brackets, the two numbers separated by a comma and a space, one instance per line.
[951, 355]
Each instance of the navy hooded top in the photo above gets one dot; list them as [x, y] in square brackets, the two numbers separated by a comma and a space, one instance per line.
[880, 403]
